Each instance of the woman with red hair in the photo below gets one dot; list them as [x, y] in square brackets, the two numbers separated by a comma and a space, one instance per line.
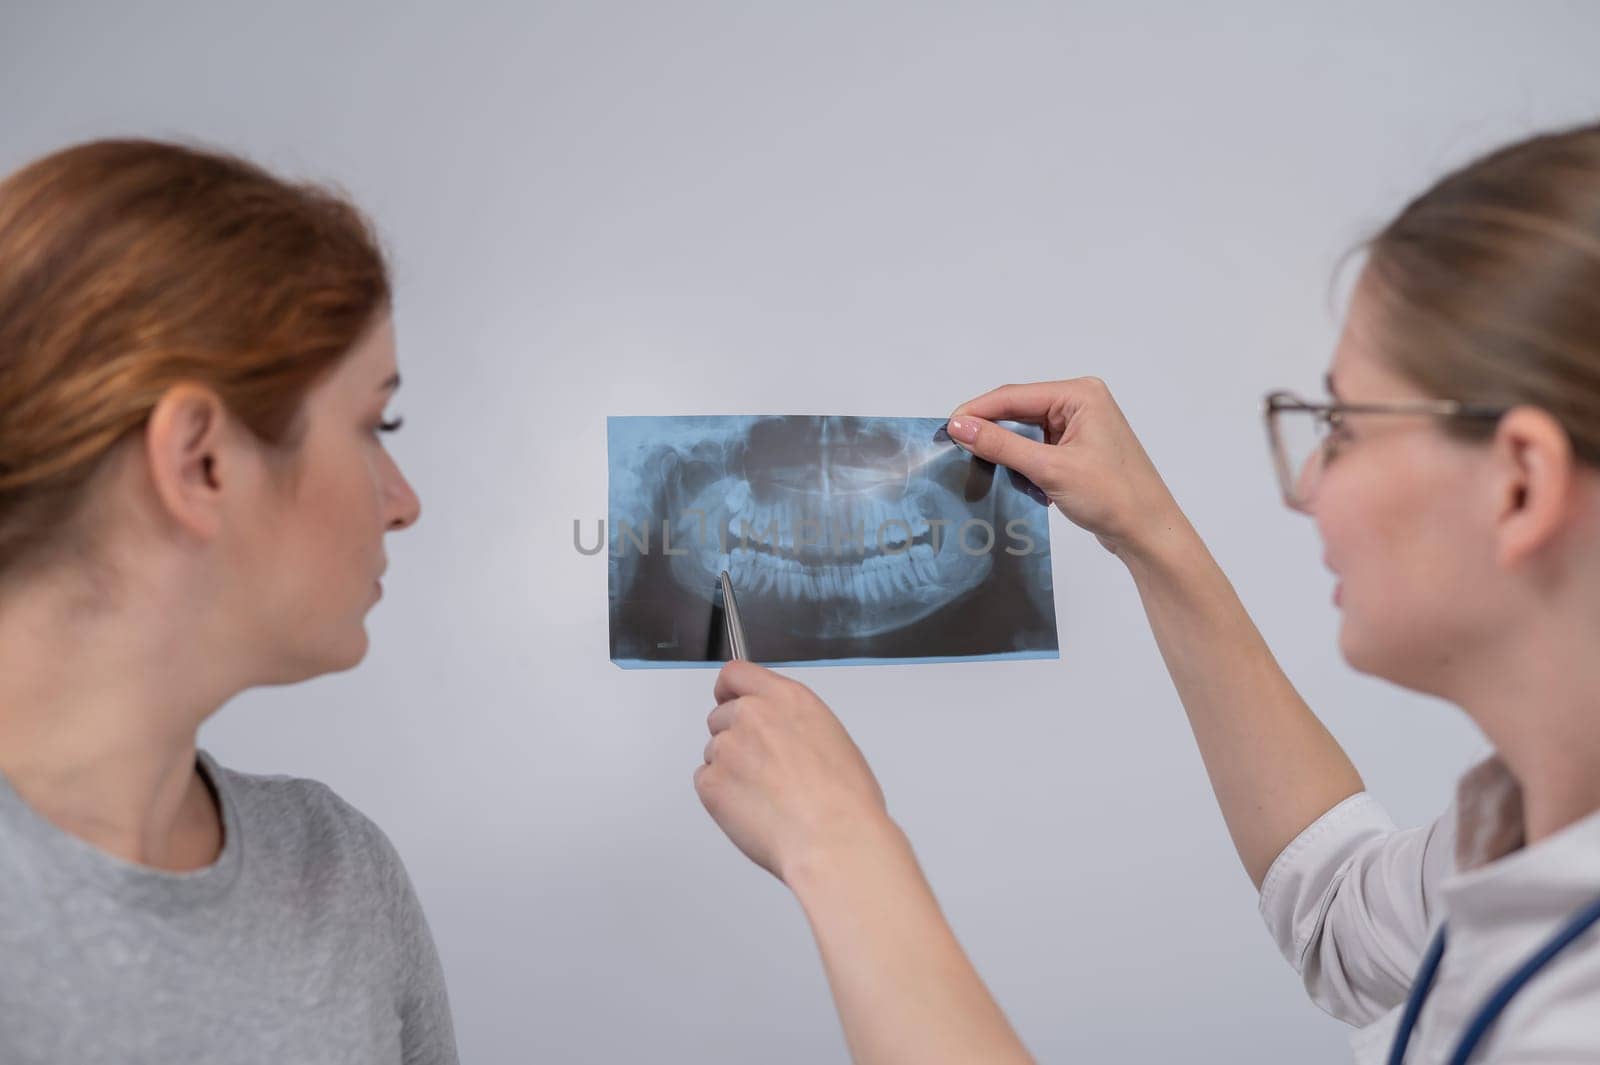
[195, 358]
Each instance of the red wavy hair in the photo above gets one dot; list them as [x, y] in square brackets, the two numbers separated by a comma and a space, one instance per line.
[127, 266]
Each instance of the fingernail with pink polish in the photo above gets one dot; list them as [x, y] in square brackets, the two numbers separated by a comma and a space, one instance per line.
[963, 429]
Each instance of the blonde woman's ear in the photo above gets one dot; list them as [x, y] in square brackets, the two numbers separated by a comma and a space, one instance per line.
[1538, 491]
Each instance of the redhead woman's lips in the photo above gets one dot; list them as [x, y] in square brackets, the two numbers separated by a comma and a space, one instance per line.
[1337, 596]
[379, 586]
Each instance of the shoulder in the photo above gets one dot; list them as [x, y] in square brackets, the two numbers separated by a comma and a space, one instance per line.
[303, 827]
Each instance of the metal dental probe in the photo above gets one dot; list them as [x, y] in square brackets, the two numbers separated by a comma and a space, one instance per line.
[733, 624]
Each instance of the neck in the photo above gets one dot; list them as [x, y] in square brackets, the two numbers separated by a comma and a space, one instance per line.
[1557, 789]
[1536, 702]
[100, 707]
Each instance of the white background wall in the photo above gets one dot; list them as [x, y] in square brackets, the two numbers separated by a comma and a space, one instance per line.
[676, 207]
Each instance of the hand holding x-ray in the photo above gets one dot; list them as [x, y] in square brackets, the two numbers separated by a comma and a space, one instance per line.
[1089, 463]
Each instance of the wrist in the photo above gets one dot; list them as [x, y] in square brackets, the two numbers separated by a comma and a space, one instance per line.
[858, 849]
[1164, 545]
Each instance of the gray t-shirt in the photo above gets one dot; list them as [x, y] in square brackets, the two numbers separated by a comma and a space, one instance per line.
[303, 942]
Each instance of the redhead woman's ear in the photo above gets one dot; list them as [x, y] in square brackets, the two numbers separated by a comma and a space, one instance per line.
[184, 446]
[1537, 495]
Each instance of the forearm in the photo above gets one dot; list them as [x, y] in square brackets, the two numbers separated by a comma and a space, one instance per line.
[1274, 767]
[905, 990]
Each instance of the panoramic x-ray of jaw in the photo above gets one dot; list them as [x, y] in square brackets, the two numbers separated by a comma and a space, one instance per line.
[846, 538]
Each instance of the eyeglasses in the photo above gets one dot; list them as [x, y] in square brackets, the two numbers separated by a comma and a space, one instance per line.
[1303, 435]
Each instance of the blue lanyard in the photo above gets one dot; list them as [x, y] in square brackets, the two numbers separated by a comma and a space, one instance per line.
[1495, 1003]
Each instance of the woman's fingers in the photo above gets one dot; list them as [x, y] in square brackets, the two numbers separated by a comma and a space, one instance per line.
[780, 774]
[1003, 447]
[1049, 404]
[1036, 402]
[741, 677]
[1090, 464]
[722, 717]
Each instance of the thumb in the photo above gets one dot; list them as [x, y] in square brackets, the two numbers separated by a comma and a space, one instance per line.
[1003, 447]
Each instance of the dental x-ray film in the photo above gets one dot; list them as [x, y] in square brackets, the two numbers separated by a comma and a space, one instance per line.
[848, 540]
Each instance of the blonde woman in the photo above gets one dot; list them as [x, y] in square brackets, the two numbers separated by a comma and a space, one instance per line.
[1453, 473]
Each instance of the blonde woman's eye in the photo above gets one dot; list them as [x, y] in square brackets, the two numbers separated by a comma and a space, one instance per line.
[391, 425]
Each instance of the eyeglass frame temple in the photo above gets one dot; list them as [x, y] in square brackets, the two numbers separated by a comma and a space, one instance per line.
[1282, 399]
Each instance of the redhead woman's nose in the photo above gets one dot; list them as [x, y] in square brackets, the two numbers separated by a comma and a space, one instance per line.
[405, 507]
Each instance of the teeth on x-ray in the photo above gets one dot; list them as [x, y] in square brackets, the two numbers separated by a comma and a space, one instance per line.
[803, 508]
[831, 528]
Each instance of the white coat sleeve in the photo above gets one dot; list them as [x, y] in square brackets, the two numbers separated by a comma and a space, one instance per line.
[1351, 901]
